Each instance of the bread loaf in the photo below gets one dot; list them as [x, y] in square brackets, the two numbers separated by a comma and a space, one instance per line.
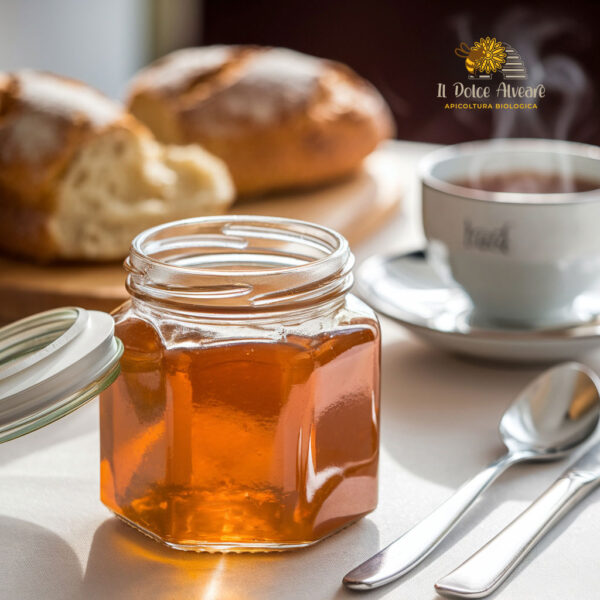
[80, 177]
[279, 119]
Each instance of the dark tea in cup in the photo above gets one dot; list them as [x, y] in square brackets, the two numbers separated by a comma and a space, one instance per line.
[529, 182]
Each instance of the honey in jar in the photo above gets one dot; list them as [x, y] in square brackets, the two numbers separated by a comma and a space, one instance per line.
[246, 413]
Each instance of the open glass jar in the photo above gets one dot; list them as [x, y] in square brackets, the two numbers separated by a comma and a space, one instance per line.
[246, 415]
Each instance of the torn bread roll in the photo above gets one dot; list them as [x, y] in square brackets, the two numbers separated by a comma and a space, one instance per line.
[278, 118]
[80, 177]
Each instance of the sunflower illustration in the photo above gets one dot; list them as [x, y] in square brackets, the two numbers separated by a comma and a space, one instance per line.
[490, 53]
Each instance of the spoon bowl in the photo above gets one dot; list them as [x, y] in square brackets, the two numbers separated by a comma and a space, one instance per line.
[554, 413]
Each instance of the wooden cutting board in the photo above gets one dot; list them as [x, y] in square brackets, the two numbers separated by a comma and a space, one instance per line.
[356, 208]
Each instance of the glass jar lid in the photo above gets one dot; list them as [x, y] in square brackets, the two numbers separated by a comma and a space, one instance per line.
[51, 363]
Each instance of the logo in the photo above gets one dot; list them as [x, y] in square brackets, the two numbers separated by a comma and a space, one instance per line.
[486, 240]
[485, 60]
[488, 56]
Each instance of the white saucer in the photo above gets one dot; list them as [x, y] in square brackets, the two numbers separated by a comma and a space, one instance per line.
[407, 289]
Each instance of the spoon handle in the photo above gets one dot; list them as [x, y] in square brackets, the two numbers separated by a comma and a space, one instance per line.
[489, 567]
[410, 549]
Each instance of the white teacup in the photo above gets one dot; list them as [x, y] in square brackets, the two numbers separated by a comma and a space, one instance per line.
[523, 258]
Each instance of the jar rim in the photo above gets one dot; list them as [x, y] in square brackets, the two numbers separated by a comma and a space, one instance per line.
[239, 261]
[142, 238]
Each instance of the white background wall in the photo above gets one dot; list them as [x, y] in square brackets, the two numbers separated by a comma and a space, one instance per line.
[102, 42]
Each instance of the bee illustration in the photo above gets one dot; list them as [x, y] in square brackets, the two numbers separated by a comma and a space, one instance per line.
[472, 56]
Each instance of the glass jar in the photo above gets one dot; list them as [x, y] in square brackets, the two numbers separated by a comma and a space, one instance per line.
[246, 415]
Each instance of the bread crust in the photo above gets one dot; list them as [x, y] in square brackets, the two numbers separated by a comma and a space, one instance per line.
[44, 121]
[24, 230]
[278, 119]
[80, 177]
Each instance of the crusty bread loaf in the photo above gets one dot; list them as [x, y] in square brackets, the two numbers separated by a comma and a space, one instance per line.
[279, 119]
[79, 177]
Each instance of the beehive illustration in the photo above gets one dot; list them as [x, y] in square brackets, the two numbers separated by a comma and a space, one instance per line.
[514, 67]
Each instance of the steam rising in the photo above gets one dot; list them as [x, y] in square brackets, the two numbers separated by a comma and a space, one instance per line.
[568, 105]
[566, 111]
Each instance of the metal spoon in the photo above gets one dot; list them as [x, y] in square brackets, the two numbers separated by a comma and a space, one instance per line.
[552, 415]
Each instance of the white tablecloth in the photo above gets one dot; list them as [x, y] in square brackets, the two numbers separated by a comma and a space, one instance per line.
[439, 419]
